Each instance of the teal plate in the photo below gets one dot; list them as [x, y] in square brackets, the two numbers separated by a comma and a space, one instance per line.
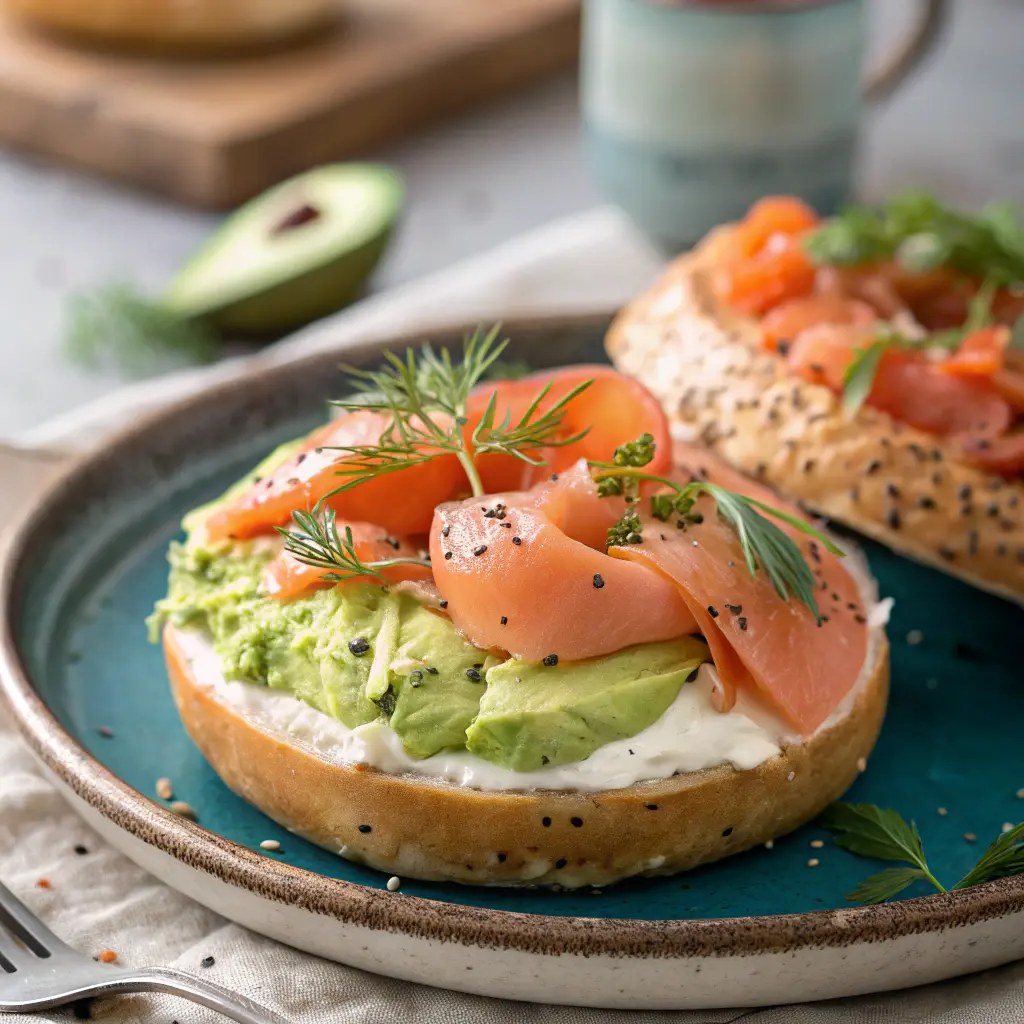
[86, 573]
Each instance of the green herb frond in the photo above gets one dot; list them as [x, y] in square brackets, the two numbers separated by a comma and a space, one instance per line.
[313, 539]
[119, 327]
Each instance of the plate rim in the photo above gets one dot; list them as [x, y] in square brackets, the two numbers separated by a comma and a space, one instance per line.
[378, 909]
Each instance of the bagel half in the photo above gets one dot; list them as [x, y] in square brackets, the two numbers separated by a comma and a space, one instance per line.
[177, 24]
[895, 484]
[421, 827]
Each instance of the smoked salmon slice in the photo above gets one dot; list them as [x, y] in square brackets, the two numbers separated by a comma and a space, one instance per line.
[800, 669]
[613, 410]
[527, 573]
[401, 502]
[286, 578]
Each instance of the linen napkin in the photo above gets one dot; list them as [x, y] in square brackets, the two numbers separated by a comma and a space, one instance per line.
[97, 899]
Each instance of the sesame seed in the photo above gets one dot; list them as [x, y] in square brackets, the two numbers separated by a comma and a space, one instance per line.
[105, 731]
[770, 845]
[742, 622]
[431, 669]
[914, 637]
[1008, 826]
[517, 541]
[598, 581]
[271, 845]
[502, 857]
[813, 862]
[1020, 794]
[359, 646]
[394, 883]
[712, 611]
[447, 555]
[926, 502]
[443, 603]
[873, 467]
[546, 822]
[892, 517]
[164, 789]
[479, 549]
[183, 810]
[817, 844]
[651, 807]
[726, 832]
[473, 675]
[964, 492]
[941, 811]
[81, 850]
[808, 466]
[505, 526]
[551, 660]
[862, 765]
[576, 822]
[892, 490]
[365, 829]
[791, 776]
[560, 863]
[970, 837]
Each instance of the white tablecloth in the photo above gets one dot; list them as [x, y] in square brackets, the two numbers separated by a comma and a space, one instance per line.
[100, 900]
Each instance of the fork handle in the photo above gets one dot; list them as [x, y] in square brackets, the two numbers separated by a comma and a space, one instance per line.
[205, 993]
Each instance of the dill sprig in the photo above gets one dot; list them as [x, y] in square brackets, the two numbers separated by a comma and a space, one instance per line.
[871, 831]
[765, 547]
[426, 397]
[117, 326]
[314, 540]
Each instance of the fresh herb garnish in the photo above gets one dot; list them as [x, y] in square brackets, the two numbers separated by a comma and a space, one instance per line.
[426, 397]
[859, 375]
[917, 231]
[870, 831]
[764, 545]
[118, 326]
[313, 539]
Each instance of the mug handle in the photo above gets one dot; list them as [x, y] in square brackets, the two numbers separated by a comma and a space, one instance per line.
[889, 73]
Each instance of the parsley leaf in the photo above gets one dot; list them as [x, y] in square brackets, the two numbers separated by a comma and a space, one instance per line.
[859, 376]
[886, 884]
[870, 831]
[1004, 857]
[922, 234]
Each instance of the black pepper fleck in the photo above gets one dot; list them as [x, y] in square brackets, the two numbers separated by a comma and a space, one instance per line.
[443, 603]
[892, 517]
[447, 555]
[742, 621]
[504, 620]
[892, 490]
[445, 530]
[517, 541]
[473, 675]
[873, 467]
[207, 961]
[546, 822]
[551, 660]
[598, 581]
[480, 549]
[576, 822]
[651, 807]
[926, 503]
[712, 611]
[560, 863]
[359, 646]
[81, 850]
[727, 831]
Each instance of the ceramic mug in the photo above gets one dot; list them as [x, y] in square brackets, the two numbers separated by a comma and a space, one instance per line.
[693, 109]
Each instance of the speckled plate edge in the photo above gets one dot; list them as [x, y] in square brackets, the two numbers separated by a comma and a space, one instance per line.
[965, 931]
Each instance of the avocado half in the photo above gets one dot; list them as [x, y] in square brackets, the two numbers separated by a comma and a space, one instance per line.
[294, 254]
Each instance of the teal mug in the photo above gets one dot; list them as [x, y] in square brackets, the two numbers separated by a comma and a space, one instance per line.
[693, 109]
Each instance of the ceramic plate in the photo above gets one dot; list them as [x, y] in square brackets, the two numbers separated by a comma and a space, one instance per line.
[84, 568]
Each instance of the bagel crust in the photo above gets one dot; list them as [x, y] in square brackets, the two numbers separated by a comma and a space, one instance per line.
[895, 484]
[418, 827]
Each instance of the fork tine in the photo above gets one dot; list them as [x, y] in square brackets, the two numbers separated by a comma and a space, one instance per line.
[26, 926]
[11, 953]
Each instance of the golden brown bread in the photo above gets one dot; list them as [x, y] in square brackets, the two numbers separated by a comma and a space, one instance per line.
[893, 483]
[177, 23]
[419, 827]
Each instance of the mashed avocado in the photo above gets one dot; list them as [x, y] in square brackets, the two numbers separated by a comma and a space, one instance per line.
[360, 653]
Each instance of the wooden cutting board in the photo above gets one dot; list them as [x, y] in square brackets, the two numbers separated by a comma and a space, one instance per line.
[215, 132]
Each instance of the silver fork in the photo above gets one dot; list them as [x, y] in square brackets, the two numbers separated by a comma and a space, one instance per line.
[39, 972]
